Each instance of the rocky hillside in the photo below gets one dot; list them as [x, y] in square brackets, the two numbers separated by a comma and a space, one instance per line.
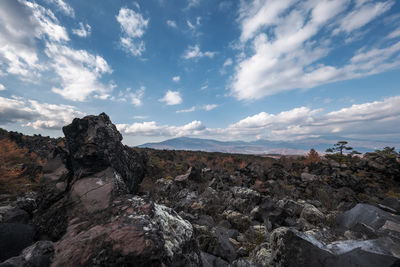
[21, 161]
[100, 203]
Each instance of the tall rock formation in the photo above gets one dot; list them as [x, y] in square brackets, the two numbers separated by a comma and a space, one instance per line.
[94, 145]
[88, 207]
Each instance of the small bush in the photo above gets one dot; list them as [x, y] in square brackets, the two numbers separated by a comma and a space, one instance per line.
[312, 157]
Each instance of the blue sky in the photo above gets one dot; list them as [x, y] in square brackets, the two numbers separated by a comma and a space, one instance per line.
[226, 70]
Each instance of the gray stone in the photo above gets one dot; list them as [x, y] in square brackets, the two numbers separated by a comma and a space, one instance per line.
[293, 248]
[293, 208]
[366, 214]
[238, 220]
[216, 242]
[261, 254]
[392, 203]
[307, 177]
[312, 215]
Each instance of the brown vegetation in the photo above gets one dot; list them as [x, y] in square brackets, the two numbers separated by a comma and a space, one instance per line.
[19, 169]
[312, 157]
[164, 163]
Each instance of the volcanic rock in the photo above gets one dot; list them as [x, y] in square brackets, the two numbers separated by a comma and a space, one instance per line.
[293, 248]
[86, 208]
[38, 255]
[133, 232]
[14, 238]
[312, 215]
[94, 144]
[366, 214]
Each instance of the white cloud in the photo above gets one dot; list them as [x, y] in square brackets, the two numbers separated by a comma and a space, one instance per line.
[172, 98]
[139, 117]
[18, 51]
[133, 27]
[63, 7]
[288, 43]
[136, 97]
[134, 47]
[361, 120]
[2, 87]
[193, 26]
[151, 128]
[171, 23]
[136, 5]
[228, 62]
[84, 30]
[186, 110]
[192, 3]
[35, 114]
[394, 34]
[53, 116]
[264, 120]
[372, 111]
[48, 24]
[176, 78]
[79, 72]
[195, 52]
[204, 87]
[12, 110]
[205, 107]
[260, 14]
[210, 107]
[362, 16]
[132, 23]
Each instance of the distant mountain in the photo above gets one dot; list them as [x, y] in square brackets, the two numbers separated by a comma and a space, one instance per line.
[265, 146]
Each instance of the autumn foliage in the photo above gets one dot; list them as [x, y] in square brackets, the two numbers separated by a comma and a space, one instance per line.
[16, 164]
[312, 157]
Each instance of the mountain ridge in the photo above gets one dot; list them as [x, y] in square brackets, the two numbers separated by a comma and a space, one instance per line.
[264, 146]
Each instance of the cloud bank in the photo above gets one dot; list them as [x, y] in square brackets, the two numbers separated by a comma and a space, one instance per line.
[283, 42]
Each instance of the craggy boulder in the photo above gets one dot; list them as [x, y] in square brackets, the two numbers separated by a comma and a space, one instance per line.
[133, 232]
[366, 214]
[94, 169]
[293, 248]
[94, 144]
[91, 215]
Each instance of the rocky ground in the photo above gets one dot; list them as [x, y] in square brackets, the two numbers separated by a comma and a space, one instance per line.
[100, 203]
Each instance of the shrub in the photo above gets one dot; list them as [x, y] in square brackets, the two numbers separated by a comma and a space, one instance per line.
[312, 157]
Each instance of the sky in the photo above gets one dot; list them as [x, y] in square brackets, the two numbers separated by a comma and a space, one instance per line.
[225, 70]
